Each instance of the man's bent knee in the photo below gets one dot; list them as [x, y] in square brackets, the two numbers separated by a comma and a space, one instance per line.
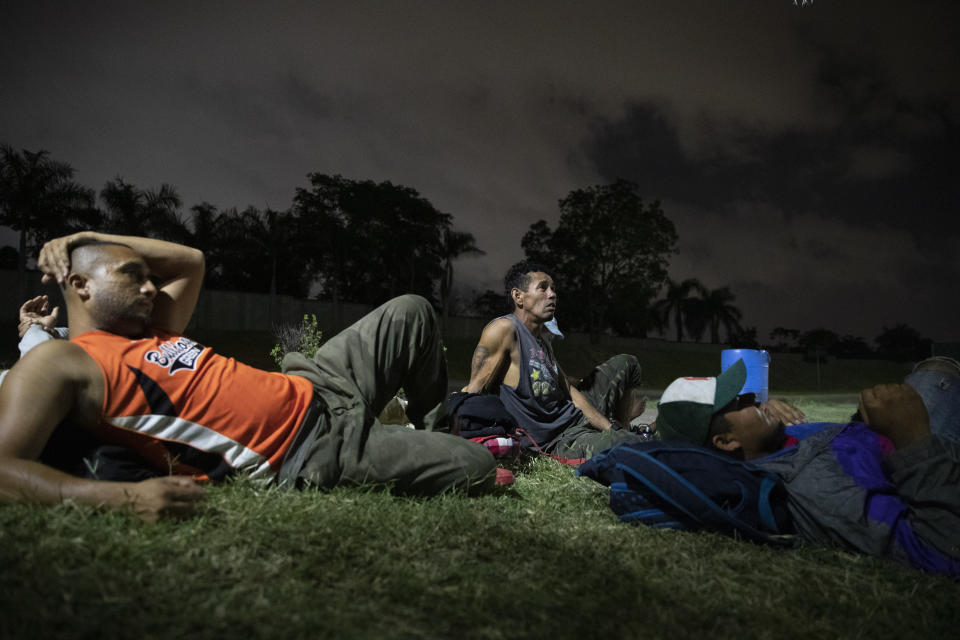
[411, 304]
[623, 362]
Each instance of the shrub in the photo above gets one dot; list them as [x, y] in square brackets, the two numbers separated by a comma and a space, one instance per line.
[305, 337]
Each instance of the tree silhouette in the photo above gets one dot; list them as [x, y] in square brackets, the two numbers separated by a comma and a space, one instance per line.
[720, 312]
[454, 245]
[902, 343]
[321, 211]
[786, 338]
[264, 251]
[676, 302]
[817, 343]
[607, 243]
[141, 212]
[39, 200]
[372, 240]
[491, 304]
[206, 232]
[850, 346]
[696, 317]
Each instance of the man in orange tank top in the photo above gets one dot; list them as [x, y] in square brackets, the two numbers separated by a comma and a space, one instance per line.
[128, 376]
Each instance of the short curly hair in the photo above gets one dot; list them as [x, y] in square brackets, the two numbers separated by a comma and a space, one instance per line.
[518, 277]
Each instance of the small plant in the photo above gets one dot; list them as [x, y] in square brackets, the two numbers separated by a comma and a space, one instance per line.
[305, 337]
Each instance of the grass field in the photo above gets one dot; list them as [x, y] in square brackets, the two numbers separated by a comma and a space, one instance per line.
[789, 373]
[544, 558]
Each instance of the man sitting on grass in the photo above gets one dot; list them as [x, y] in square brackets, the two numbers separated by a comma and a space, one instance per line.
[514, 359]
[886, 483]
[129, 377]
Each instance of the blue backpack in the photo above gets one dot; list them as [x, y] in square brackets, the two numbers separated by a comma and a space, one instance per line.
[681, 486]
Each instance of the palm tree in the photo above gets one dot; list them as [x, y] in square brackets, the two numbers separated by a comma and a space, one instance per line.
[696, 315]
[209, 234]
[133, 211]
[207, 223]
[264, 251]
[719, 310]
[39, 199]
[454, 245]
[676, 302]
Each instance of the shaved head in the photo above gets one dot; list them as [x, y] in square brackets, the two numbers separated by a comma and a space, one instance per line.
[85, 257]
[109, 286]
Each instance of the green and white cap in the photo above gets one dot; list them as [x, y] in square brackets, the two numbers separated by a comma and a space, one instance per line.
[688, 404]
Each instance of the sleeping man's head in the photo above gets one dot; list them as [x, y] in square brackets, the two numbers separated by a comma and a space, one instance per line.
[711, 412]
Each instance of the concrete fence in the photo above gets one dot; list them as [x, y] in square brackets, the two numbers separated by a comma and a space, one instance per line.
[231, 310]
[240, 311]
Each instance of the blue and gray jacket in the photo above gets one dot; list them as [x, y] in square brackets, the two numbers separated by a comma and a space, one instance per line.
[843, 490]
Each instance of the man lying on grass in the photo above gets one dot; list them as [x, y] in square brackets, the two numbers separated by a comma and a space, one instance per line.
[886, 483]
[130, 378]
[514, 359]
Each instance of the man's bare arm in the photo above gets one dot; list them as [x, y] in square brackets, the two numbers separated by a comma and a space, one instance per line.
[491, 358]
[581, 402]
[179, 270]
[45, 387]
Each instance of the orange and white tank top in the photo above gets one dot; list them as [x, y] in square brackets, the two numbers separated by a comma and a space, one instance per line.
[189, 410]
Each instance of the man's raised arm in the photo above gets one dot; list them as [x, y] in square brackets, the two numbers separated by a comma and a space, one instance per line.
[178, 269]
[491, 358]
[51, 383]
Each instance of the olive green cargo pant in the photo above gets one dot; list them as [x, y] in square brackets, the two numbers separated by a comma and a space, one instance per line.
[604, 387]
[355, 374]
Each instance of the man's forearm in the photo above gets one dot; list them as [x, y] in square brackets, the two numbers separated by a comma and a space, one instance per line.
[24, 480]
[596, 418]
[34, 482]
[484, 370]
[167, 260]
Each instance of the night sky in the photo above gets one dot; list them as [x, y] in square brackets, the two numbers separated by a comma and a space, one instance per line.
[808, 155]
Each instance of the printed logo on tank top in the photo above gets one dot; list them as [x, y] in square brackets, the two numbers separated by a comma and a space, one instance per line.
[176, 354]
[543, 373]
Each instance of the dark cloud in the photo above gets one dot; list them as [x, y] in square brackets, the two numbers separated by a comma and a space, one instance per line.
[845, 222]
[806, 154]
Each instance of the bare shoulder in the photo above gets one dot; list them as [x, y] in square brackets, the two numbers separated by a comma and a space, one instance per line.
[55, 371]
[498, 333]
[56, 380]
[63, 356]
[492, 356]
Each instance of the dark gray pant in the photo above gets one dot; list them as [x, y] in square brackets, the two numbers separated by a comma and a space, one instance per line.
[356, 373]
[927, 477]
[604, 387]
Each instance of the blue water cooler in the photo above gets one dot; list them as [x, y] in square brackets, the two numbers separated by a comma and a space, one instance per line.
[758, 369]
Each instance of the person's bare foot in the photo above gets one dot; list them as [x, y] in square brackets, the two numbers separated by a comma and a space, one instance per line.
[895, 411]
[632, 404]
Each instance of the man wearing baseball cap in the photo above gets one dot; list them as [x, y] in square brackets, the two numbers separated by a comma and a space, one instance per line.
[886, 483]
[712, 412]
